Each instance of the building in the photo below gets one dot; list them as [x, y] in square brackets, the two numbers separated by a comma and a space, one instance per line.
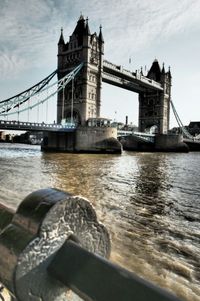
[81, 99]
[194, 128]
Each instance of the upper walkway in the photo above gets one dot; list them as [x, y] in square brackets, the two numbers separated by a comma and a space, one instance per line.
[117, 76]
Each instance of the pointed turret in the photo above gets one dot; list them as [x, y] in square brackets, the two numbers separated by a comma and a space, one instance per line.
[101, 35]
[61, 40]
[81, 30]
[169, 73]
[163, 75]
[163, 69]
[87, 29]
[155, 71]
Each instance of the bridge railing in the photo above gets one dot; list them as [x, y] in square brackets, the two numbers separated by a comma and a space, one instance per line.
[53, 248]
[41, 125]
[145, 136]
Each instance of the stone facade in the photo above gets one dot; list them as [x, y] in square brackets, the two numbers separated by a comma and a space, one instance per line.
[154, 106]
[86, 99]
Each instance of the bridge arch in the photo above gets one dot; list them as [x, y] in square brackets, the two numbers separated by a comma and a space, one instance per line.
[74, 118]
[152, 129]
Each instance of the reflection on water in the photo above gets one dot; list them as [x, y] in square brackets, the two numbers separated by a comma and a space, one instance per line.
[149, 203]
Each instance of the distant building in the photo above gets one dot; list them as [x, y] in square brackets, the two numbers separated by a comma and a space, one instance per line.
[194, 128]
[29, 138]
[2, 136]
[5, 137]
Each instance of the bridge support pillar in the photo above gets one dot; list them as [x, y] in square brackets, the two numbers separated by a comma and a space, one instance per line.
[97, 140]
[83, 139]
[154, 104]
[170, 143]
[58, 141]
[154, 109]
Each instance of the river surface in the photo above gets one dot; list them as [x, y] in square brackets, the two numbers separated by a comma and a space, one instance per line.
[150, 203]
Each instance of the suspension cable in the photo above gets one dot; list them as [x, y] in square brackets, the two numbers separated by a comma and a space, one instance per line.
[72, 102]
[47, 105]
[43, 82]
[60, 84]
[63, 102]
[180, 124]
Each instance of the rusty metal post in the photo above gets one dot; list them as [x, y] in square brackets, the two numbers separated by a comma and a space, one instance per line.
[32, 236]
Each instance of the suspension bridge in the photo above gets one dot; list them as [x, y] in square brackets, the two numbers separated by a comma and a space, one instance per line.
[44, 91]
[77, 91]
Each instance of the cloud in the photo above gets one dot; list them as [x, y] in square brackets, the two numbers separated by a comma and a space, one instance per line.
[29, 30]
[135, 25]
[10, 63]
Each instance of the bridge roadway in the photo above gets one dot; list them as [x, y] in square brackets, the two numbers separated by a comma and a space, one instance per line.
[43, 127]
[35, 126]
[150, 138]
[117, 76]
[146, 137]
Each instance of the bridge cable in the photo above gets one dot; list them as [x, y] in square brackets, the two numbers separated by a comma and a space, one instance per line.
[43, 82]
[25, 95]
[47, 104]
[60, 84]
[63, 102]
[72, 101]
[180, 124]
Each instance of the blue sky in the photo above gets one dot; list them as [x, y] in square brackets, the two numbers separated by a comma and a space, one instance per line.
[138, 29]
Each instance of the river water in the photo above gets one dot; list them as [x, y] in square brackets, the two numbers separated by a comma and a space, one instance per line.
[150, 203]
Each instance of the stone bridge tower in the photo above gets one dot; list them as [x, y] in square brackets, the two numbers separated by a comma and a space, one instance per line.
[154, 105]
[86, 88]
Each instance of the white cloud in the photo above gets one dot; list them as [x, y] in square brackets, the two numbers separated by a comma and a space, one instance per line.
[29, 29]
[26, 34]
[135, 25]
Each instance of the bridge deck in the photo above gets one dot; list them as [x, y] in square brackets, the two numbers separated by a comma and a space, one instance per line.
[34, 126]
[145, 137]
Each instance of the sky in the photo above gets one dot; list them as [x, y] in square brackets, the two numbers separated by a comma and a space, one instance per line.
[135, 33]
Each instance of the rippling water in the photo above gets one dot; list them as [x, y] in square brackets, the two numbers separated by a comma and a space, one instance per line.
[150, 203]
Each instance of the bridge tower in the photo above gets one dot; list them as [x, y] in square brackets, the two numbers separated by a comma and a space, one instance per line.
[83, 95]
[154, 105]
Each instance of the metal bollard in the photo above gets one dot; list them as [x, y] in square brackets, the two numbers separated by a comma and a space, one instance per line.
[30, 238]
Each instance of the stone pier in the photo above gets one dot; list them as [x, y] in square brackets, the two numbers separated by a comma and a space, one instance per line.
[83, 139]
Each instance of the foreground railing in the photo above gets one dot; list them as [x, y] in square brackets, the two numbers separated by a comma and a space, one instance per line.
[53, 249]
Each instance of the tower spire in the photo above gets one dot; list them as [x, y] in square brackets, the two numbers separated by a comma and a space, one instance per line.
[163, 69]
[100, 35]
[87, 29]
[169, 72]
[61, 40]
